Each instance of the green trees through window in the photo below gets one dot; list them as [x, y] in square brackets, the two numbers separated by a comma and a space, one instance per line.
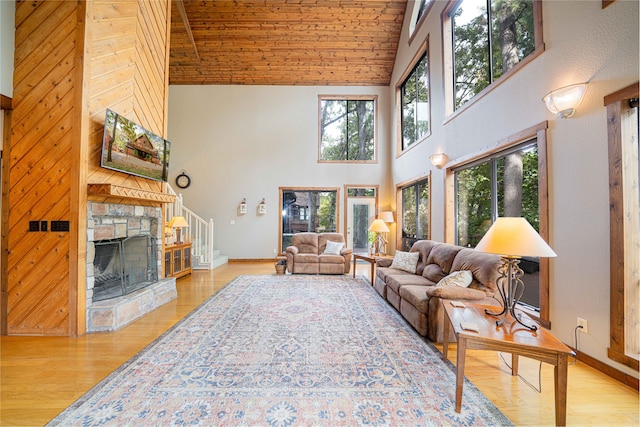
[505, 184]
[415, 109]
[489, 38]
[347, 129]
[415, 213]
[307, 210]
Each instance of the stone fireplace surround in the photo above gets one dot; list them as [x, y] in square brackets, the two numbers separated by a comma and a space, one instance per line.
[107, 221]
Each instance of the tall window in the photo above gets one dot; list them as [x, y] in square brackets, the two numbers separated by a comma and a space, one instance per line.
[489, 37]
[307, 210]
[415, 110]
[504, 184]
[415, 212]
[347, 129]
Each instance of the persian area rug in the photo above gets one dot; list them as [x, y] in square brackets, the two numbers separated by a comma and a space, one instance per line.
[281, 350]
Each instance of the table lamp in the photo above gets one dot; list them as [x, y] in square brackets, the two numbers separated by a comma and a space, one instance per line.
[178, 222]
[378, 226]
[512, 238]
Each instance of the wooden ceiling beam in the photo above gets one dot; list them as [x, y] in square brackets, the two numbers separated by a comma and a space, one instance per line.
[187, 26]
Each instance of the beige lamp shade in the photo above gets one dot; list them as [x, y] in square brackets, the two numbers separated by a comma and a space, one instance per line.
[178, 222]
[386, 216]
[379, 226]
[514, 237]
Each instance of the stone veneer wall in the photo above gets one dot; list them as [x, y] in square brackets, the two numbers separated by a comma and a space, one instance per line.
[110, 221]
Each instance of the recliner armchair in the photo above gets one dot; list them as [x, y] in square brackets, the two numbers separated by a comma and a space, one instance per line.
[307, 254]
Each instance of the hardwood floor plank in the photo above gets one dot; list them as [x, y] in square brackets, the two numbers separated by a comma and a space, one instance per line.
[41, 376]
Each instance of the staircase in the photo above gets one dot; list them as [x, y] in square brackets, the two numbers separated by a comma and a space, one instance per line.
[200, 232]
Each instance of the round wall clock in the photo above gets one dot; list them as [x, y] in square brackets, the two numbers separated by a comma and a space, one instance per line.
[183, 180]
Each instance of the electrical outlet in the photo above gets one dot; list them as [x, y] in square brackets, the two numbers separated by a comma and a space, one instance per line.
[582, 322]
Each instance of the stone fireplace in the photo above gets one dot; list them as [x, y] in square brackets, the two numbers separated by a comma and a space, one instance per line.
[124, 255]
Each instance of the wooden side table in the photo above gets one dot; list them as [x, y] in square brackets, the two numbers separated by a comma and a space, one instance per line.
[512, 338]
[371, 259]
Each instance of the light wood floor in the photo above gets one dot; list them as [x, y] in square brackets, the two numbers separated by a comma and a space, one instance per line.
[40, 376]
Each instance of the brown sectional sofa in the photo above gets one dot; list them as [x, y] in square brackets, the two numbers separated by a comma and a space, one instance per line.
[417, 297]
[306, 254]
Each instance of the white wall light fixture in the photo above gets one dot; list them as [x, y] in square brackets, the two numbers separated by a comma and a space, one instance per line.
[438, 160]
[564, 101]
[262, 207]
[242, 207]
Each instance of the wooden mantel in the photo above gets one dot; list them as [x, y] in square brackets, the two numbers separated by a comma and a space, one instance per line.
[114, 190]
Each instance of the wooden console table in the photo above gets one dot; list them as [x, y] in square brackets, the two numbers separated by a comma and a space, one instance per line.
[512, 338]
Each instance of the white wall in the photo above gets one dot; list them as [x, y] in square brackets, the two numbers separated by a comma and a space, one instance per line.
[247, 141]
[7, 30]
[583, 42]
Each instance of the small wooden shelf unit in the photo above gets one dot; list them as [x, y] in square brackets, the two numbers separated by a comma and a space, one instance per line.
[177, 260]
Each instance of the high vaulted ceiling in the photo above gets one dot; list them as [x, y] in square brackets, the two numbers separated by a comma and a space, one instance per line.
[284, 42]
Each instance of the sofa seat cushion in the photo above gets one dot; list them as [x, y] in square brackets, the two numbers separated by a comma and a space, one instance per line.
[396, 282]
[307, 258]
[416, 295]
[330, 259]
[383, 272]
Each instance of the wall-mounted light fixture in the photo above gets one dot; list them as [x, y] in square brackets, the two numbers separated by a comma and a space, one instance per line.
[564, 101]
[438, 160]
[262, 207]
[242, 207]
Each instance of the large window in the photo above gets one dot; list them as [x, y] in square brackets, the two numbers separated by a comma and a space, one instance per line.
[414, 198]
[504, 184]
[488, 38]
[415, 110]
[347, 129]
[420, 10]
[307, 210]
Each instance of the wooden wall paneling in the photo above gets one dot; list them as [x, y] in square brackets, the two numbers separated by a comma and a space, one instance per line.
[5, 110]
[38, 263]
[73, 60]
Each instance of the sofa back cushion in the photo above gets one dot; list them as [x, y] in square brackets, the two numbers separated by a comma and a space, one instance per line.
[424, 247]
[439, 261]
[484, 267]
[307, 243]
[323, 237]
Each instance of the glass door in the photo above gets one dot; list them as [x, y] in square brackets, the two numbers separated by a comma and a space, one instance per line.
[361, 211]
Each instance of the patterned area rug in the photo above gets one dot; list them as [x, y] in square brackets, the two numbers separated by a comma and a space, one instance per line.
[280, 350]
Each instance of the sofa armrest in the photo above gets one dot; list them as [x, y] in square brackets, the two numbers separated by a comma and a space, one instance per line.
[346, 251]
[292, 250]
[455, 292]
[384, 262]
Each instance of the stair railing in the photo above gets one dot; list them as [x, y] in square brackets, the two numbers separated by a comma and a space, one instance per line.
[199, 230]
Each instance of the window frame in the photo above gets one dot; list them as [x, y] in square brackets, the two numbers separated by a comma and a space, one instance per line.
[539, 132]
[400, 208]
[448, 66]
[347, 98]
[615, 108]
[422, 51]
[416, 22]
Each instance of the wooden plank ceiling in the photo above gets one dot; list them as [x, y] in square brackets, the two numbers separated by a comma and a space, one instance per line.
[284, 42]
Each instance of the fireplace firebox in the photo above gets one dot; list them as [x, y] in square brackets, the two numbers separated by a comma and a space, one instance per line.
[125, 265]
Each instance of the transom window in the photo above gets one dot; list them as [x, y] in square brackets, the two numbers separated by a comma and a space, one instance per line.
[415, 109]
[347, 129]
[489, 38]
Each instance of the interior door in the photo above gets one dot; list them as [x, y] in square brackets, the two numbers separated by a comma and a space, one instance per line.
[361, 212]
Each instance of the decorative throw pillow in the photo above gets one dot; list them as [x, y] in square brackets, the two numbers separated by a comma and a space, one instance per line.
[405, 261]
[333, 248]
[461, 278]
